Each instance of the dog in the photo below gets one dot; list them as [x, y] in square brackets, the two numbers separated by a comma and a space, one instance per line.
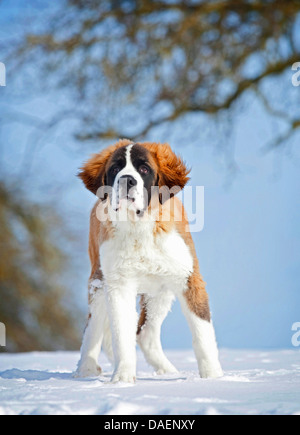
[140, 244]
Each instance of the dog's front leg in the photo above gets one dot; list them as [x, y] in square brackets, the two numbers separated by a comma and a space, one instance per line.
[121, 303]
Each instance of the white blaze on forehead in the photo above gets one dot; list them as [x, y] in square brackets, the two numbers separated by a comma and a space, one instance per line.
[128, 156]
[129, 168]
[136, 192]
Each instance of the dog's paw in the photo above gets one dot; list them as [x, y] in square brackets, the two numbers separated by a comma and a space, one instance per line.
[167, 369]
[210, 372]
[125, 375]
[88, 371]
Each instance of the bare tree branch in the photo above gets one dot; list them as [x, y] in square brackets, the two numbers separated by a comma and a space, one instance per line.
[130, 57]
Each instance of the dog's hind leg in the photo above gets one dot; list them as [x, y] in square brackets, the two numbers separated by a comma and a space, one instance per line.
[153, 313]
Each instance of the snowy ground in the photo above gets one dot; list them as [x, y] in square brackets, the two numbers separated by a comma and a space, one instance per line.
[255, 382]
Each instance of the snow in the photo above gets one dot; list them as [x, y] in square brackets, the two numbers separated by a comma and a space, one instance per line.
[255, 382]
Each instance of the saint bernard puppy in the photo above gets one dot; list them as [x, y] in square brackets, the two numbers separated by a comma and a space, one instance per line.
[140, 244]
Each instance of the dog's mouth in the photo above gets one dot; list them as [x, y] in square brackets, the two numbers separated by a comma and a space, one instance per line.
[128, 201]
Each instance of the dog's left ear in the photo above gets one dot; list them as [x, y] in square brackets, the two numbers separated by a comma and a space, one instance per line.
[172, 171]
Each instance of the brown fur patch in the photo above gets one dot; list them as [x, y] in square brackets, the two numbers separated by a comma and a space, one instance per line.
[94, 244]
[195, 295]
[197, 298]
[169, 214]
[143, 315]
[93, 172]
[99, 233]
[172, 170]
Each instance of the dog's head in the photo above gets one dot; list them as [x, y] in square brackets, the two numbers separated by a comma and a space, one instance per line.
[129, 172]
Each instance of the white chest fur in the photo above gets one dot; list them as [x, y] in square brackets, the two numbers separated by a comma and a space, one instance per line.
[134, 253]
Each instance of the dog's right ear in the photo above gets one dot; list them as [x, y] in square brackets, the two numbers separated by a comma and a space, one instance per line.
[93, 172]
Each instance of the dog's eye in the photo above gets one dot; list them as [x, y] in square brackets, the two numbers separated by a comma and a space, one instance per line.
[144, 170]
[115, 170]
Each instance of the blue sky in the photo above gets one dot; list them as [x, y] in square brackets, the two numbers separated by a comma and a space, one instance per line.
[249, 248]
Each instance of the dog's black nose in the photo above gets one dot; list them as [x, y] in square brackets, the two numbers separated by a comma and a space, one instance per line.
[129, 180]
